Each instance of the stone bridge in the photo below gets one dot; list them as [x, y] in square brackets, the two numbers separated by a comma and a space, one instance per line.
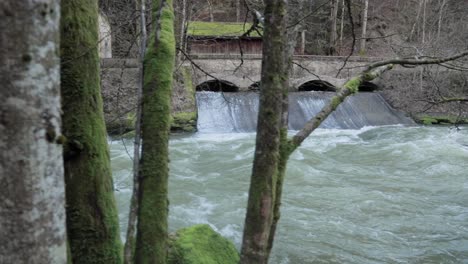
[309, 72]
[402, 88]
[215, 72]
[236, 73]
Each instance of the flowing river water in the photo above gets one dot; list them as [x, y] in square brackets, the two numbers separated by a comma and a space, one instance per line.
[374, 195]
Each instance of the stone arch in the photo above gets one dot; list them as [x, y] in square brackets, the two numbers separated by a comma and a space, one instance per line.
[317, 85]
[368, 87]
[217, 86]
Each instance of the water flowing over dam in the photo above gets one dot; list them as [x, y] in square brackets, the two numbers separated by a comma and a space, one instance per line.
[237, 112]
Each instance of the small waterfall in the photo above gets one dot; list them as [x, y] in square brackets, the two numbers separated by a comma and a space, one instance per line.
[237, 112]
[227, 112]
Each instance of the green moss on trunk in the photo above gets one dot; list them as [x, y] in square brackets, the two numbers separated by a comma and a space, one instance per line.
[92, 222]
[151, 244]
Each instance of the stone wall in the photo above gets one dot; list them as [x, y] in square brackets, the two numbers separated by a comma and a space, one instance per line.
[119, 81]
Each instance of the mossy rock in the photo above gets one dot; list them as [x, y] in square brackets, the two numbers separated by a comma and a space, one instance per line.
[200, 244]
[184, 122]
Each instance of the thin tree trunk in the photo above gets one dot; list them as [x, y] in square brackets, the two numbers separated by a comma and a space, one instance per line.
[32, 196]
[413, 28]
[263, 180]
[303, 42]
[183, 24]
[238, 10]
[210, 10]
[342, 24]
[92, 221]
[283, 148]
[439, 24]
[424, 22]
[364, 27]
[333, 32]
[152, 233]
[132, 218]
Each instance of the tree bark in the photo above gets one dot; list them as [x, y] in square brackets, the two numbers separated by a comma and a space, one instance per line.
[263, 180]
[32, 197]
[439, 23]
[414, 27]
[133, 211]
[333, 32]
[424, 22]
[183, 23]
[153, 209]
[92, 221]
[342, 25]
[364, 28]
[210, 10]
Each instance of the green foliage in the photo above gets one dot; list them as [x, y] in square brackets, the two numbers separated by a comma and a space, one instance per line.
[219, 29]
[92, 220]
[200, 244]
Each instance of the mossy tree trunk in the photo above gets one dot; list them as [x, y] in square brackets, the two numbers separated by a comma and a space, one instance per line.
[266, 158]
[92, 221]
[32, 191]
[151, 244]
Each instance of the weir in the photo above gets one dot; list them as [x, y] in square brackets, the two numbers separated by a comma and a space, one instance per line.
[237, 112]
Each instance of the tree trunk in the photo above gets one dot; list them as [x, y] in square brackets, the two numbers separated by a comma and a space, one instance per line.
[32, 197]
[364, 28]
[153, 209]
[238, 10]
[413, 28]
[424, 22]
[439, 23]
[210, 10]
[263, 180]
[333, 32]
[132, 215]
[92, 223]
[342, 25]
[183, 24]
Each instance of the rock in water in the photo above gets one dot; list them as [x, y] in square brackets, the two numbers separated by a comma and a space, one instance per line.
[200, 244]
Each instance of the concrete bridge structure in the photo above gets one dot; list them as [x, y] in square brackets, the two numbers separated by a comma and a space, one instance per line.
[215, 72]
[403, 87]
[244, 72]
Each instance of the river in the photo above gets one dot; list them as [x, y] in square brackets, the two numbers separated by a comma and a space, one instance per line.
[375, 195]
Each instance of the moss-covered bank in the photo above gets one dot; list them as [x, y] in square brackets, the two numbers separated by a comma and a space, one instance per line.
[200, 244]
[435, 119]
[184, 122]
